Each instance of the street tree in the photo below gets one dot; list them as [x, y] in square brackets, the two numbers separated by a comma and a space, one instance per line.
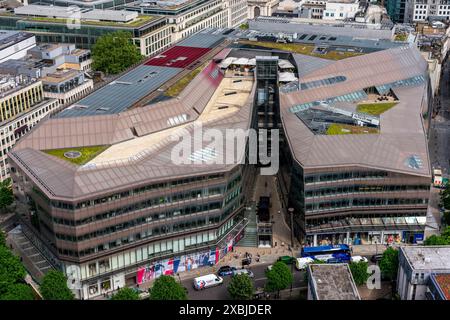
[54, 286]
[359, 272]
[241, 287]
[126, 294]
[6, 194]
[18, 291]
[114, 52]
[11, 269]
[279, 277]
[389, 263]
[438, 240]
[445, 197]
[2, 238]
[167, 288]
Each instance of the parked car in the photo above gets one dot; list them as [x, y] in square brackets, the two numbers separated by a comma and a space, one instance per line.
[226, 271]
[302, 263]
[358, 259]
[243, 271]
[376, 257]
[210, 280]
[287, 259]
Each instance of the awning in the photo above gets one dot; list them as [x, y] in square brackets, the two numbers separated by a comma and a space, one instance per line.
[286, 77]
[285, 64]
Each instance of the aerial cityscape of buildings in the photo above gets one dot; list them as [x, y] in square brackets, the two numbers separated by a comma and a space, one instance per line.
[252, 137]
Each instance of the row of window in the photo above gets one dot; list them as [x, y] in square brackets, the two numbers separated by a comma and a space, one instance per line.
[361, 202]
[344, 176]
[153, 232]
[140, 221]
[136, 191]
[362, 189]
[194, 194]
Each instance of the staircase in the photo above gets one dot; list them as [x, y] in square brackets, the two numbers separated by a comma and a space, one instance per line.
[250, 238]
[34, 261]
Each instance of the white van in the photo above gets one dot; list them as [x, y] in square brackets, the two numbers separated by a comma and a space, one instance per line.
[301, 263]
[210, 280]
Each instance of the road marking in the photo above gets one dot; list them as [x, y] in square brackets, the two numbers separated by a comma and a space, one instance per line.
[259, 279]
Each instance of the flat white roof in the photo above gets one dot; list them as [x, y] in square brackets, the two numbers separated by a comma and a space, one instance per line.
[76, 13]
[428, 257]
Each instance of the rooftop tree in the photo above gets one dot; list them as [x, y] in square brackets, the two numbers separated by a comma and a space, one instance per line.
[114, 52]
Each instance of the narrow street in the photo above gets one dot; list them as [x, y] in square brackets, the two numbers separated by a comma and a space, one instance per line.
[439, 147]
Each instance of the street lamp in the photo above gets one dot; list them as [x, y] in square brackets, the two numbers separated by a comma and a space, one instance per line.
[291, 213]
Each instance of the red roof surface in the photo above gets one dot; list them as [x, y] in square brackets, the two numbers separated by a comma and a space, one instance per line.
[443, 281]
[177, 57]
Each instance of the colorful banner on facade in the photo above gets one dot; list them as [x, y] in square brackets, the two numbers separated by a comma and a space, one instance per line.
[178, 264]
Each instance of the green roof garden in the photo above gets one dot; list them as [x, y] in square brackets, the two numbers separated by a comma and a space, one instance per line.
[78, 155]
[306, 49]
[376, 108]
[336, 128]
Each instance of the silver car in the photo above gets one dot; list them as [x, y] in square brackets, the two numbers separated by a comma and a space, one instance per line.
[243, 271]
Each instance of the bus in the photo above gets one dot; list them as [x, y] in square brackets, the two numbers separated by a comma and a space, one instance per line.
[330, 254]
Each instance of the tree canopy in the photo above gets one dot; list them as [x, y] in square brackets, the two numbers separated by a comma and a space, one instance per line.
[167, 288]
[359, 272]
[279, 277]
[445, 197]
[6, 193]
[114, 52]
[241, 287]
[11, 269]
[12, 274]
[435, 240]
[54, 286]
[389, 263]
[126, 294]
[18, 291]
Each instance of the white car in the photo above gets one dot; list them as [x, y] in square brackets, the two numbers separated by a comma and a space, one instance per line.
[302, 263]
[243, 271]
[358, 259]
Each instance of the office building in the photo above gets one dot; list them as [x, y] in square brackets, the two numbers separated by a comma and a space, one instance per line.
[14, 45]
[23, 105]
[61, 67]
[400, 11]
[143, 215]
[432, 10]
[423, 272]
[151, 34]
[369, 180]
[110, 203]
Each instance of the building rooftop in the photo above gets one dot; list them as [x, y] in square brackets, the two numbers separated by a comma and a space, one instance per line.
[134, 85]
[427, 257]
[332, 282]
[60, 76]
[88, 16]
[400, 143]
[10, 38]
[443, 281]
[140, 141]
